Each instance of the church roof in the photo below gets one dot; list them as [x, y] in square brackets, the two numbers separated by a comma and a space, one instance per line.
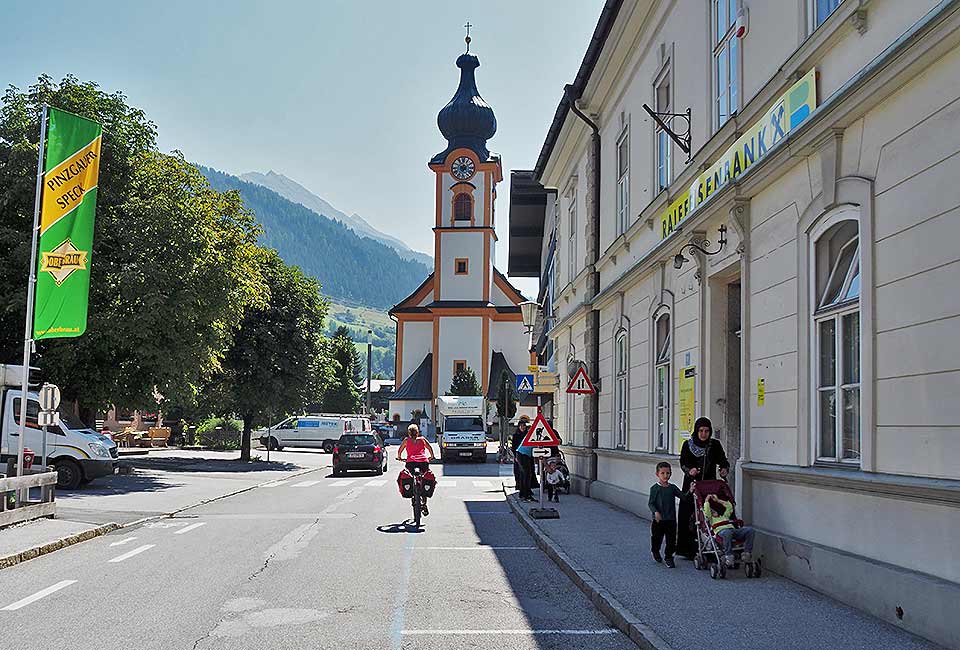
[467, 121]
[419, 385]
[498, 363]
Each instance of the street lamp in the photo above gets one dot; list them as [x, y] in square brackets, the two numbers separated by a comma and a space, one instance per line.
[528, 312]
[679, 260]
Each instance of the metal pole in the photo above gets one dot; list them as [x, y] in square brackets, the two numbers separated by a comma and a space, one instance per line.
[43, 449]
[369, 357]
[543, 461]
[31, 286]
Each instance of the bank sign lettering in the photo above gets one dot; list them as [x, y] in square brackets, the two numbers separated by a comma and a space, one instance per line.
[787, 113]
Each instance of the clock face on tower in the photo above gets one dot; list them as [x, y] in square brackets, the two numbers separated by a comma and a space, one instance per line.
[462, 168]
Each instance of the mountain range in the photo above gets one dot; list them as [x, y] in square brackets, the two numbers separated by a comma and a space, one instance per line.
[350, 267]
[292, 190]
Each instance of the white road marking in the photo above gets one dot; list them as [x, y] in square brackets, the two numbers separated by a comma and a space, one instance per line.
[37, 596]
[306, 484]
[603, 631]
[190, 527]
[376, 483]
[446, 484]
[341, 482]
[274, 484]
[136, 551]
[482, 484]
[123, 541]
[476, 548]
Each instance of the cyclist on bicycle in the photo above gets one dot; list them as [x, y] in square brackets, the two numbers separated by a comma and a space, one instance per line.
[419, 454]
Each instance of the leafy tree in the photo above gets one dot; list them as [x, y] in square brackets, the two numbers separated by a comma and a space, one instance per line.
[172, 269]
[464, 383]
[277, 361]
[342, 395]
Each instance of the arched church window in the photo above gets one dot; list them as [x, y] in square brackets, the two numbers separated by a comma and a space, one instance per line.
[462, 207]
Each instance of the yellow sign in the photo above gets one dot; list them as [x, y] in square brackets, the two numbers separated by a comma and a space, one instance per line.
[65, 184]
[688, 402]
[786, 114]
[62, 261]
[761, 392]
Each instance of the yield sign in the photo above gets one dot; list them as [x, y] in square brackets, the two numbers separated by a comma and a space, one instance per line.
[540, 434]
[581, 384]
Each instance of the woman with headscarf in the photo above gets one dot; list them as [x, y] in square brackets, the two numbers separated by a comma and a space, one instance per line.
[702, 458]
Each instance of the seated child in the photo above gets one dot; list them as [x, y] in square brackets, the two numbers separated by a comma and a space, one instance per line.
[553, 478]
[722, 525]
[664, 511]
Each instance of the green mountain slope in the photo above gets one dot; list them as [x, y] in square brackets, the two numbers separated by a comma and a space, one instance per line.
[349, 267]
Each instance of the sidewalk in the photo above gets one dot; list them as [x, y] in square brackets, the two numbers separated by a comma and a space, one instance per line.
[606, 551]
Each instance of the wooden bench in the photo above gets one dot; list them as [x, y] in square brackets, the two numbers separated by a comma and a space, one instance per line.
[156, 437]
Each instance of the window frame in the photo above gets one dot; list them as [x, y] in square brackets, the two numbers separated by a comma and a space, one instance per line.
[459, 362]
[621, 393]
[835, 312]
[662, 356]
[572, 234]
[457, 202]
[815, 20]
[728, 45]
[660, 136]
[623, 181]
[466, 266]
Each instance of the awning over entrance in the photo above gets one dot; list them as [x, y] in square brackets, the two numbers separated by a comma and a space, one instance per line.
[528, 205]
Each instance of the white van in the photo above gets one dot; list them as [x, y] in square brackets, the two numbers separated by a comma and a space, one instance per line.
[462, 424]
[78, 454]
[317, 431]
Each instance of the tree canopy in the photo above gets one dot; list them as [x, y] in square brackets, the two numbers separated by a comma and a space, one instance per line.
[464, 383]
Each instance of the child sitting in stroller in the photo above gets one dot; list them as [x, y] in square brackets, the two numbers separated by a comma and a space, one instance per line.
[719, 516]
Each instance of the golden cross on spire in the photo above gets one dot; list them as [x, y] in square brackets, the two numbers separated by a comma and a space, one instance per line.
[467, 39]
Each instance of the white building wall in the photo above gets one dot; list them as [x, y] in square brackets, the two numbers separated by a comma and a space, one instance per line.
[467, 245]
[461, 337]
[510, 338]
[417, 343]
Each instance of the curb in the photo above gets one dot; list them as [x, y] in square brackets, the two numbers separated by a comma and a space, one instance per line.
[624, 620]
[31, 553]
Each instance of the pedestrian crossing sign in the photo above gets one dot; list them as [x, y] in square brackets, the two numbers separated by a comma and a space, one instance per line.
[524, 384]
[540, 434]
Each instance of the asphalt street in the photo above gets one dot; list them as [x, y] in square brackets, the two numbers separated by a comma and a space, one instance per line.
[310, 561]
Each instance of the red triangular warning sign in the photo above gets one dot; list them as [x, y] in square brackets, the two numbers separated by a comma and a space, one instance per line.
[581, 384]
[540, 434]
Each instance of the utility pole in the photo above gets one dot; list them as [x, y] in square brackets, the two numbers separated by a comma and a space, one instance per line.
[369, 358]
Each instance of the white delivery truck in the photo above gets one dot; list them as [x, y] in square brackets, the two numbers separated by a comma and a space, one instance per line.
[319, 431]
[78, 454]
[462, 428]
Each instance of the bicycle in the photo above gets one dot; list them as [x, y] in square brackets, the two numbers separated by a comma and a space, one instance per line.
[417, 498]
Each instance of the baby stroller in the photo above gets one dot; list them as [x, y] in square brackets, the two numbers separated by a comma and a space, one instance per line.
[562, 468]
[710, 545]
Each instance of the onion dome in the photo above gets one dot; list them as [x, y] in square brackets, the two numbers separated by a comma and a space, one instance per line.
[466, 121]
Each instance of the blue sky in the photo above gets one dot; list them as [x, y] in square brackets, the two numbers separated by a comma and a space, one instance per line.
[341, 96]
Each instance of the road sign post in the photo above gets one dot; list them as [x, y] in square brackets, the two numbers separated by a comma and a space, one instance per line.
[49, 403]
[543, 439]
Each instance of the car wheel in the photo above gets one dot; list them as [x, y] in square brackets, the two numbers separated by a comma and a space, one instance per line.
[328, 447]
[272, 444]
[69, 474]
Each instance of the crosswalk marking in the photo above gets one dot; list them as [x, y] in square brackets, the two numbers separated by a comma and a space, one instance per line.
[482, 484]
[306, 484]
[446, 483]
[376, 483]
[274, 484]
[341, 483]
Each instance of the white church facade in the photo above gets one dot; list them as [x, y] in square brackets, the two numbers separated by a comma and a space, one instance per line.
[466, 313]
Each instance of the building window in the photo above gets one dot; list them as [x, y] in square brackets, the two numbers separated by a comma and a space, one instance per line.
[461, 266]
[822, 10]
[725, 60]
[622, 395]
[623, 181]
[662, 381]
[836, 323]
[462, 207]
[663, 143]
[572, 242]
[459, 365]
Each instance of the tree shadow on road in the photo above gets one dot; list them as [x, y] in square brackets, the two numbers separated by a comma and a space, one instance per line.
[209, 465]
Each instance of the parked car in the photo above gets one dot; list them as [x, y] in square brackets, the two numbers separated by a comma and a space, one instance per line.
[359, 451]
[318, 431]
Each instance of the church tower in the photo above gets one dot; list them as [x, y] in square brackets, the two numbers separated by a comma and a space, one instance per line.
[466, 313]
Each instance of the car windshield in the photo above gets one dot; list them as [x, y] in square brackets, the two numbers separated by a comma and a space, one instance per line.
[67, 422]
[357, 440]
[463, 424]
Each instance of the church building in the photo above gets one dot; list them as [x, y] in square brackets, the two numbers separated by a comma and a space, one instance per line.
[466, 313]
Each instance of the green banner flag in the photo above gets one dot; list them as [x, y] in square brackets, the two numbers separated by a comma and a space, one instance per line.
[68, 201]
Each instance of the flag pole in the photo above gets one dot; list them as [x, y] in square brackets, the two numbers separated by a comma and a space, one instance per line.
[31, 287]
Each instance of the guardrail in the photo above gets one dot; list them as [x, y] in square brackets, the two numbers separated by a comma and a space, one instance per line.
[45, 507]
